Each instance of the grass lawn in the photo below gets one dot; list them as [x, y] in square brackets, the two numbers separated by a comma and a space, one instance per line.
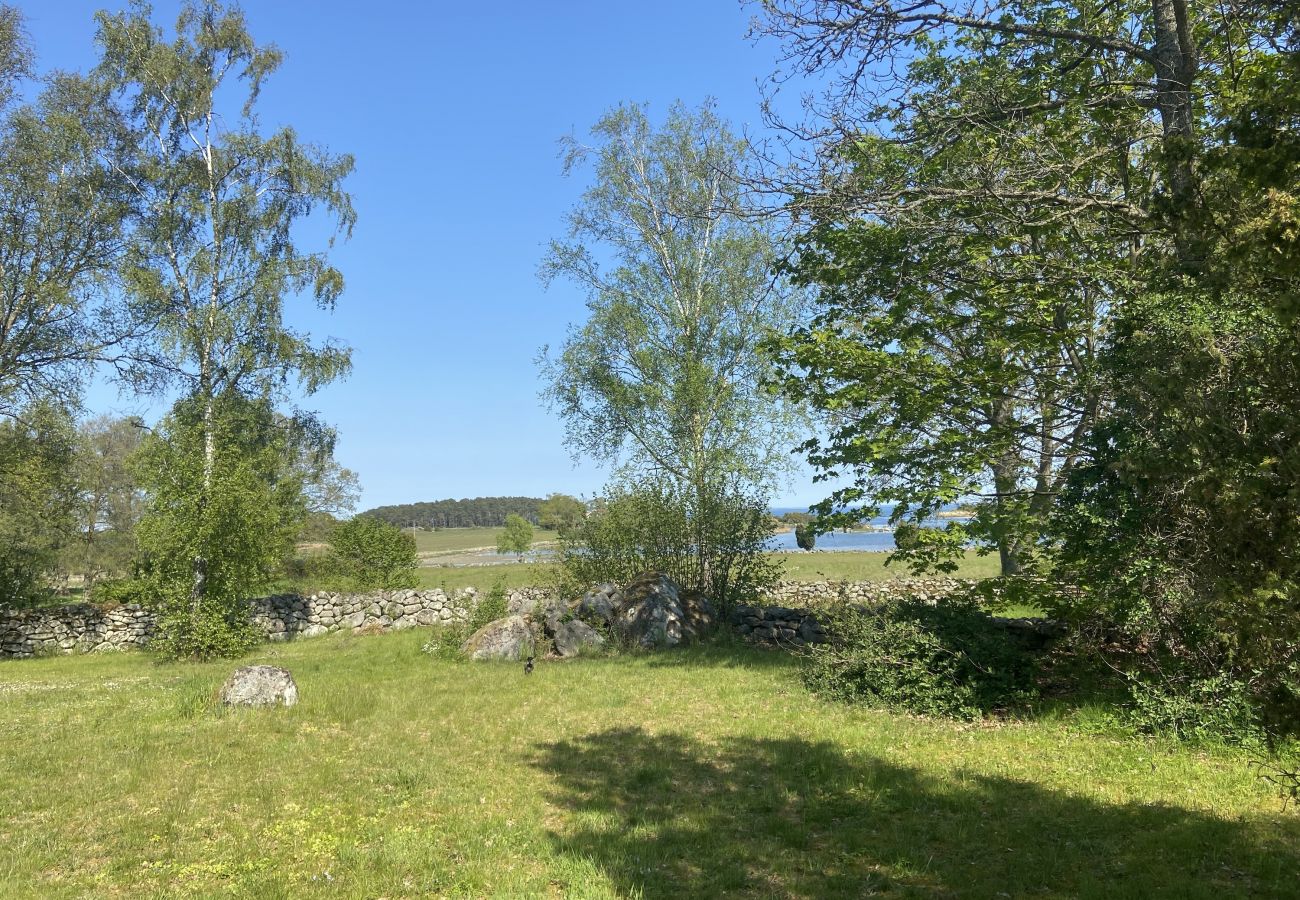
[685, 774]
[451, 540]
[868, 566]
[510, 575]
[798, 567]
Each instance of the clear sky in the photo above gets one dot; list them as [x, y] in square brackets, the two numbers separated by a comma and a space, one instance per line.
[453, 112]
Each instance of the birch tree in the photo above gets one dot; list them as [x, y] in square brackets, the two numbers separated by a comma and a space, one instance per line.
[664, 378]
[215, 253]
[62, 205]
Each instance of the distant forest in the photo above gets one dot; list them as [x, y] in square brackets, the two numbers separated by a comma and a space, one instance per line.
[481, 511]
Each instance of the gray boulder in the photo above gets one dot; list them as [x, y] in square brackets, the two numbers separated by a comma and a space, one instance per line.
[597, 605]
[259, 686]
[649, 611]
[508, 638]
[573, 637]
[699, 615]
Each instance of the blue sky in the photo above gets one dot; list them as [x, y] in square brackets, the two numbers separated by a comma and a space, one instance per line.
[453, 113]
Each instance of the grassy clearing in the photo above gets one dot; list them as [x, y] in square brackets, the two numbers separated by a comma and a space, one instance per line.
[452, 540]
[797, 566]
[691, 773]
[868, 566]
[508, 575]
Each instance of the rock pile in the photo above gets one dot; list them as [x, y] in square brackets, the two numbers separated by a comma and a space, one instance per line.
[650, 612]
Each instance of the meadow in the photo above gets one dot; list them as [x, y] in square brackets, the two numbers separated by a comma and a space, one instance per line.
[459, 540]
[696, 772]
[797, 566]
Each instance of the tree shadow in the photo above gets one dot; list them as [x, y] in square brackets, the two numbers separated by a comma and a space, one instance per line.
[670, 816]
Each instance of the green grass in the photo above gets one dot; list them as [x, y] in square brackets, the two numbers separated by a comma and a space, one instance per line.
[508, 575]
[451, 540]
[695, 773]
[798, 567]
[868, 566]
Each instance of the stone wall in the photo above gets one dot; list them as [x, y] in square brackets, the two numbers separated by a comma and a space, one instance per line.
[83, 628]
[288, 616]
[78, 628]
[815, 594]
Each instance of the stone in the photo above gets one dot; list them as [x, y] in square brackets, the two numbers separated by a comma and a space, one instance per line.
[314, 631]
[811, 632]
[508, 638]
[575, 636]
[260, 686]
[649, 611]
[597, 605]
[427, 617]
[699, 615]
[355, 620]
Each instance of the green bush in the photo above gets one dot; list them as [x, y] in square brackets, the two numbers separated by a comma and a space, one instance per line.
[945, 660]
[121, 591]
[373, 555]
[716, 545]
[805, 537]
[1202, 710]
[490, 607]
[447, 639]
[214, 631]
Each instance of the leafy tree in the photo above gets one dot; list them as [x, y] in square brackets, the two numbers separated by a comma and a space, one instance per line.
[214, 256]
[1179, 531]
[1149, 148]
[63, 204]
[110, 499]
[516, 537]
[242, 520]
[38, 496]
[649, 526]
[374, 554]
[804, 536]
[665, 376]
[561, 512]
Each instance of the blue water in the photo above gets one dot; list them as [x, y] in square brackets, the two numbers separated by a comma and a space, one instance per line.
[854, 540]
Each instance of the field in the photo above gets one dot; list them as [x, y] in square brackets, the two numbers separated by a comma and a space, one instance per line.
[866, 566]
[685, 774]
[797, 567]
[452, 540]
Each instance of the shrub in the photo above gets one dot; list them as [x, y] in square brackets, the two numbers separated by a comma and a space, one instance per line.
[490, 607]
[211, 631]
[944, 660]
[447, 639]
[121, 591]
[804, 536]
[716, 545]
[373, 554]
[1202, 710]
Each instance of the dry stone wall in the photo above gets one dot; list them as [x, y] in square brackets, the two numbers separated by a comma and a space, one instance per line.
[78, 628]
[815, 594]
[784, 616]
[289, 616]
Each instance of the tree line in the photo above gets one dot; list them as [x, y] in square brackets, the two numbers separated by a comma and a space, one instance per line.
[479, 512]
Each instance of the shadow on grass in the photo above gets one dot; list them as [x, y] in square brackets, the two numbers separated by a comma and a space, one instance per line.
[723, 652]
[669, 816]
